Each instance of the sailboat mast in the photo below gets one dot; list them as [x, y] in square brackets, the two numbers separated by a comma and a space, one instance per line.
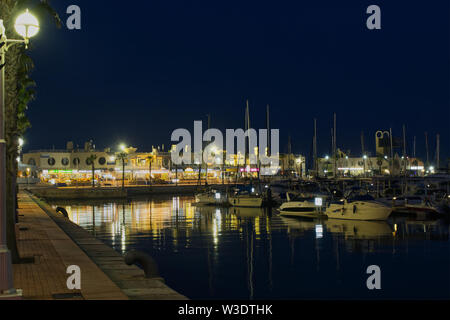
[335, 146]
[316, 169]
[362, 143]
[289, 154]
[247, 128]
[391, 167]
[268, 130]
[438, 138]
[404, 160]
[404, 141]
[206, 164]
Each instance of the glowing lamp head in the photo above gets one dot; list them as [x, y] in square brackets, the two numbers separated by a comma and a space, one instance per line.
[27, 25]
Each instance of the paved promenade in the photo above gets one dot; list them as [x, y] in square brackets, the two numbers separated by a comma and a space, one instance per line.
[104, 275]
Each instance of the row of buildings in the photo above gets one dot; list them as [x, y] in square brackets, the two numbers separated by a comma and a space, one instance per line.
[74, 166]
[345, 166]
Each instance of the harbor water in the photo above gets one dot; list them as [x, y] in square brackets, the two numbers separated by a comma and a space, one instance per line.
[249, 253]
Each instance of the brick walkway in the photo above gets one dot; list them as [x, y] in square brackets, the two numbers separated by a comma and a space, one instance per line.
[38, 236]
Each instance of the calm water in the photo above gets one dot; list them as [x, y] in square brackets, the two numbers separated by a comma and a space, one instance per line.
[217, 253]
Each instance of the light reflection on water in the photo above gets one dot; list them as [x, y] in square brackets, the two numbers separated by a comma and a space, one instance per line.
[246, 253]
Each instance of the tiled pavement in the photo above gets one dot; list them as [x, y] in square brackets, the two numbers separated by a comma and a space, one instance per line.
[39, 236]
[56, 243]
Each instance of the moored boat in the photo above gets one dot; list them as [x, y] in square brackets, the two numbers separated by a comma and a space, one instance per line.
[211, 197]
[413, 205]
[301, 206]
[245, 199]
[358, 207]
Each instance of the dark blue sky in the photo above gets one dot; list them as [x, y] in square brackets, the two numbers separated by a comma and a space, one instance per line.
[138, 70]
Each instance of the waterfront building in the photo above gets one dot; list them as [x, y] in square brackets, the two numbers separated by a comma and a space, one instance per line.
[370, 166]
[73, 167]
[293, 164]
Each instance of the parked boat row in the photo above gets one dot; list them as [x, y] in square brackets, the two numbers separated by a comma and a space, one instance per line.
[356, 207]
[235, 198]
[313, 199]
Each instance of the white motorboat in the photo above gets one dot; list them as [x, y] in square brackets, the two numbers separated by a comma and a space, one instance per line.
[359, 207]
[245, 199]
[211, 197]
[301, 206]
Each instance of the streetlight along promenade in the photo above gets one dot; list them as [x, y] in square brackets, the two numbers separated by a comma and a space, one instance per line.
[26, 26]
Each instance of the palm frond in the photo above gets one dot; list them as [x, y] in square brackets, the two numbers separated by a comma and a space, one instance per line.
[44, 5]
[40, 8]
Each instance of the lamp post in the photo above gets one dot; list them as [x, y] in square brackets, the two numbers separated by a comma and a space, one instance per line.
[27, 26]
[123, 156]
[364, 161]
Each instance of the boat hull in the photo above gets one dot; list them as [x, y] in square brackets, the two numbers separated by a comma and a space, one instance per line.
[416, 209]
[299, 209]
[247, 202]
[209, 199]
[359, 210]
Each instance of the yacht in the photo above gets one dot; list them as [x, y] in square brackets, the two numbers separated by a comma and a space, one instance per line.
[300, 205]
[211, 197]
[358, 207]
[245, 199]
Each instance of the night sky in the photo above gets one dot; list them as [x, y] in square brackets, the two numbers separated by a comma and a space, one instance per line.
[140, 69]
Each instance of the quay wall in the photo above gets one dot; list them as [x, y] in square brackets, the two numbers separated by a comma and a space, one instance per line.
[116, 193]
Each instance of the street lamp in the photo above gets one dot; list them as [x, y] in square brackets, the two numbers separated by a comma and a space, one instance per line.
[364, 161]
[27, 26]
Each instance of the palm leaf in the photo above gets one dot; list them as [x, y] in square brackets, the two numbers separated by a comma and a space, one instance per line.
[40, 8]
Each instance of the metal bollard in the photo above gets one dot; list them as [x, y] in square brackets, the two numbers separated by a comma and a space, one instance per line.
[148, 264]
[62, 211]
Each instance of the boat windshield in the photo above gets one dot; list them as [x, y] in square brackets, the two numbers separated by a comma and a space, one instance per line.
[301, 198]
[361, 197]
